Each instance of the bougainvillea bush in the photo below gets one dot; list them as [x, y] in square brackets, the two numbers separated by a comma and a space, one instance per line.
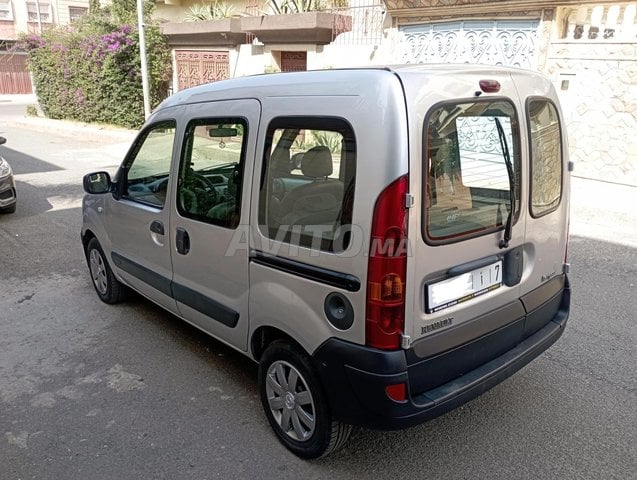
[90, 71]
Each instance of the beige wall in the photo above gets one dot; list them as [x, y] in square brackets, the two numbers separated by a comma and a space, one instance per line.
[175, 10]
[600, 105]
[597, 83]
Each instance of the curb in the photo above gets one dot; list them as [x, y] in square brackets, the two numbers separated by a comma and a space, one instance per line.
[86, 131]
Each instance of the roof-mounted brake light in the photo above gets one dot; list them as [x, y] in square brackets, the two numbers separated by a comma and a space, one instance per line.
[490, 86]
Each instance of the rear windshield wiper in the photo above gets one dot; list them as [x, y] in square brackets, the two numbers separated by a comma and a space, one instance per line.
[504, 243]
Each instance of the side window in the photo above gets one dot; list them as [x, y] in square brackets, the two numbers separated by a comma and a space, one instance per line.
[307, 189]
[210, 172]
[146, 175]
[472, 164]
[546, 157]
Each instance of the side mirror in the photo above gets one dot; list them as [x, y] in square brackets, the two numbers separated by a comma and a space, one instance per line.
[3, 140]
[98, 182]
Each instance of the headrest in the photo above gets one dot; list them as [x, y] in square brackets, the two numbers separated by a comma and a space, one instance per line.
[317, 162]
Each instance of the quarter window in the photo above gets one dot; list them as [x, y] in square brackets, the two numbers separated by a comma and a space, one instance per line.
[307, 191]
[546, 157]
[146, 174]
[472, 164]
[210, 174]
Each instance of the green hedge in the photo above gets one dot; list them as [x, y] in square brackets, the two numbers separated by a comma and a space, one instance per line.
[90, 71]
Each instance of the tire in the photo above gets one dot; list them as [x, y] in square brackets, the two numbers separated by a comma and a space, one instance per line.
[108, 288]
[299, 413]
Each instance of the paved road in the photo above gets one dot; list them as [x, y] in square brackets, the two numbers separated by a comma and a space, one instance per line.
[89, 391]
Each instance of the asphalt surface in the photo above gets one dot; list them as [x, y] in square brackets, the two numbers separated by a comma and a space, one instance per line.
[89, 391]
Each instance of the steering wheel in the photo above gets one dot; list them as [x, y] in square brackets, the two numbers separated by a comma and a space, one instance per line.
[187, 200]
[197, 193]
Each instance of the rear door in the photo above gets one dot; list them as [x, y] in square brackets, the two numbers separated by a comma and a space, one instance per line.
[465, 170]
[210, 274]
[549, 186]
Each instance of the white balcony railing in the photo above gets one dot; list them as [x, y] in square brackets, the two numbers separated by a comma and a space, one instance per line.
[603, 22]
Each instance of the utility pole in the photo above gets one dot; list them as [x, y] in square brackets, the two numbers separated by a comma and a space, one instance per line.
[39, 18]
[142, 55]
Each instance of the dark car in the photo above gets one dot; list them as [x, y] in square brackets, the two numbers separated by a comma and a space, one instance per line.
[7, 185]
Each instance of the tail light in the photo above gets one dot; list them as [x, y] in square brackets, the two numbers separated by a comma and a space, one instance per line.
[387, 269]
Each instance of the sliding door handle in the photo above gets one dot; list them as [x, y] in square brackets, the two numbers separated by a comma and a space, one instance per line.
[183, 241]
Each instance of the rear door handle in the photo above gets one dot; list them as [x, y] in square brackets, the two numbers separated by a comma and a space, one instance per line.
[183, 241]
[157, 227]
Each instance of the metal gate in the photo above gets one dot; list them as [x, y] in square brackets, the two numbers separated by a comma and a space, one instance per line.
[195, 67]
[14, 74]
[293, 61]
[491, 42]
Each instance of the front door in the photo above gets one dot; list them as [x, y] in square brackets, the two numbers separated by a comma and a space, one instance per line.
[137, 216]
[210, 282]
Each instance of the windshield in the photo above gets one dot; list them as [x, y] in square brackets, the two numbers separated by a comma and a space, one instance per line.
[472, 162]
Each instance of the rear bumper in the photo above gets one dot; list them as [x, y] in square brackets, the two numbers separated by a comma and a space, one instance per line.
[355, 377]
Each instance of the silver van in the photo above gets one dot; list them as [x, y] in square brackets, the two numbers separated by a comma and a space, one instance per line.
[386, 243]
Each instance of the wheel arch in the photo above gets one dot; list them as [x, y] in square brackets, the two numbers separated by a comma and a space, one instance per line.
[87, 236]
[263, 336]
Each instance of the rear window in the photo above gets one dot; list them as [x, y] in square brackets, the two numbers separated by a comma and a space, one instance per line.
[546, 157]
[472, 165]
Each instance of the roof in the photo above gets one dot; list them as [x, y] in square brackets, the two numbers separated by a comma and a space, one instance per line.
[350, 81]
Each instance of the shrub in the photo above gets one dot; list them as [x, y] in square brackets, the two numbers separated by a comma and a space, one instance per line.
[90, 71]
[32, 111]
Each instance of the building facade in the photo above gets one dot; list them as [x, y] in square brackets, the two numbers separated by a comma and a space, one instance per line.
[31, 16]
[587, 47]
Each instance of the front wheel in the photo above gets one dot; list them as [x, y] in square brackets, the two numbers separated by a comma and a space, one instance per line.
[295, 404]
[108, 288]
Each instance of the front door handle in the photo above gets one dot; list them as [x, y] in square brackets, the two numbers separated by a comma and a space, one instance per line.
[157, 227]
[183, 241]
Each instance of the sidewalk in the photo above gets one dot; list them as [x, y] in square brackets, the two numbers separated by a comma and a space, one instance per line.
[13, 114]
[604, 211]
[600, 210]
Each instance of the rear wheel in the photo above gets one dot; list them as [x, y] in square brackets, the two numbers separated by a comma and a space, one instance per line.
[108, 288]
[295, 404]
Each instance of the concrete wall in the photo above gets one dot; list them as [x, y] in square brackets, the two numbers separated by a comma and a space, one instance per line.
[598, 88]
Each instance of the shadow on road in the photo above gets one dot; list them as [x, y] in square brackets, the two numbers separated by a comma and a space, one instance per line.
[22, 163]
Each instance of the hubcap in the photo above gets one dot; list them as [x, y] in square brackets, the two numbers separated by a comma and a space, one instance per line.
[98, 271]
[290, 401]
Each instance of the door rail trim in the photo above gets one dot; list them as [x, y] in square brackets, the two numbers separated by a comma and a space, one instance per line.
[205, 305]
[154, 279]
[180, 293]
[345, 281]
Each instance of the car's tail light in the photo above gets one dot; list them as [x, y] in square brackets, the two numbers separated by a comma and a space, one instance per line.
[387, 268]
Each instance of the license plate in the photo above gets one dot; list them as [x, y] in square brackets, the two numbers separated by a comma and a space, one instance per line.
[465, 287]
